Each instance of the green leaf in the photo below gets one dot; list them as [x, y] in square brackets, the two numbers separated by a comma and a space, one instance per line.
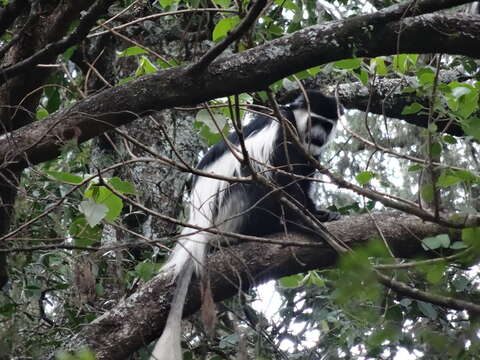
[123, 187]
[104, 196]
[462, 98]
[314, 70]
[416, 167]
[471, 126]
[41, 113]
[427, 192]
[435, 273]
[134, 50]
[94, 212]
[435, 149]
[223, 3]
[224, 26]
[69, 52]
[436, 242]
[378, 65]
[84, 234]
[314, 279]
[427, 309]
[291, 282]
[449, 139]
[458, 245]
[348, 64]
[471, 237]
[145, 66]
[446, 180]
[425, 76]
[403, 62]
[412, 109]
[287, 4]
[364, 177]
[166, 3]
[146, 270]
[216, 124]
[65, 177]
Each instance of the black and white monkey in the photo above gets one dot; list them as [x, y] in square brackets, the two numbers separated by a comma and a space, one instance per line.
[249, 208]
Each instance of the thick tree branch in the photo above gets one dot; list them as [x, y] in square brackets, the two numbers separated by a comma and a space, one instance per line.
[386, 98]
[140, 318]
[251, 70]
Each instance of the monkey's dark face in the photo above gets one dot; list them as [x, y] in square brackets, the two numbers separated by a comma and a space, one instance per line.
[315, 120]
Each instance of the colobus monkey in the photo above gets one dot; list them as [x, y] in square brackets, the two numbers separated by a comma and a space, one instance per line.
[249, 208]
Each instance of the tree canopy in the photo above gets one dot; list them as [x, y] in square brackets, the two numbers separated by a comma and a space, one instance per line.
[106, 107]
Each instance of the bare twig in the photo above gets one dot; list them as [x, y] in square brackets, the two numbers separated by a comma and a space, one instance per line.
[444, 301]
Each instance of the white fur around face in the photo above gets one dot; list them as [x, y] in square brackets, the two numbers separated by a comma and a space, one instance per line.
[305, 122]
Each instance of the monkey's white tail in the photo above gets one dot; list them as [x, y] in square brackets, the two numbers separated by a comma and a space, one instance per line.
[188, 255]
[168, 347]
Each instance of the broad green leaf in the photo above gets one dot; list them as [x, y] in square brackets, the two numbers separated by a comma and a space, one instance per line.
[69, 52]
[462, 98]
[412, 109]
[435, 273]
[435, 149]
[378, 65]
[223, 3]
[84, 234]
[134, 50]
[427, 192]
[215, 124]
[458, 245]
[314, 70]
[93, 211]
[466, 176]
[449, 139]
[146, 270]
[403, 62]
[166, 3]
[416, 167]
[471, 126]
[364, 177]
[313, 278]
[41, 113]
[291, 282]
[348, 64]
[224, 26]
[436, 242]
[471, 237]
[104, 196]
[425, 76]
[287, 4]
[65, 177]
[122, 186]
[145, 66]
[446, 180]
[427, 309]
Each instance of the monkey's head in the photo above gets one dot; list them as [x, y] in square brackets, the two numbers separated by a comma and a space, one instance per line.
[315, 119]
